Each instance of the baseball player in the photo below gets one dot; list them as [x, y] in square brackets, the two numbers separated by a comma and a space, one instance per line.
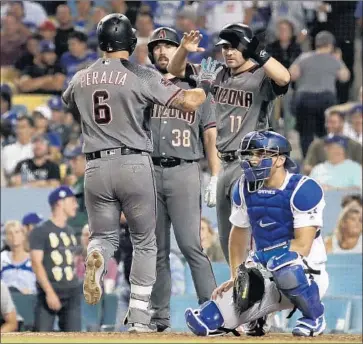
[177, 138]
[244, 94]
[110, 97]
[287, 268]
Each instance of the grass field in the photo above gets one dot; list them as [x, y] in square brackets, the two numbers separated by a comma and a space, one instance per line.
[112, 337]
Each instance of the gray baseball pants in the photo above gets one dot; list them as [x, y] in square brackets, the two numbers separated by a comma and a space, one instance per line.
[179, 203]
[125, 183]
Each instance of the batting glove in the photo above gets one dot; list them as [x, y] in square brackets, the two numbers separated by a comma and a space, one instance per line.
[207, 75]
[256, 50]
[210, 195]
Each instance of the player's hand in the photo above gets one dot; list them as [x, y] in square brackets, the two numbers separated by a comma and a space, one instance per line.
[53, 301]
[223, 288]
[208, 72]
[191, 40]
[210, 195]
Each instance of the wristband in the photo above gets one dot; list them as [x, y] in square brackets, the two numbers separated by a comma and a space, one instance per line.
[205, 86]
[261, 57]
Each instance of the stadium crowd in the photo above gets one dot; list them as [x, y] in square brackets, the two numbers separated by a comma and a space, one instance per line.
[44, 43]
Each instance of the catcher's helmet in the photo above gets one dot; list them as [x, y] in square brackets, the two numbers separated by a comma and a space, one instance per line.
[269, 144]
[162, 34]
[115, 33]
[238, 35]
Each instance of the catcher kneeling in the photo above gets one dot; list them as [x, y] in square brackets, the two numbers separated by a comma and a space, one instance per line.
[287, 268]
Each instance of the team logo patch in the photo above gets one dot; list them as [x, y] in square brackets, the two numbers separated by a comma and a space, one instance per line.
[162, 34]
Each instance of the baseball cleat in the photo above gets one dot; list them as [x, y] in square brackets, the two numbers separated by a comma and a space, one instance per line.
[92, 288]
[141, 328]
[306, 327]
[257, 328]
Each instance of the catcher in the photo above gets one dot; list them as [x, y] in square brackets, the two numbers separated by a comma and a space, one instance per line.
[287, 268]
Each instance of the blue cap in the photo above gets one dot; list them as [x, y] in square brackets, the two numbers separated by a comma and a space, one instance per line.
[55, 103]
[338, 139]
[59, 193]
[74, 153]
[5, 88]
[46, 46]
[32, 219]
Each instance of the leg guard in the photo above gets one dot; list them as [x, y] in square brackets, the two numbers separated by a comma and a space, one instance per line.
[205, 321]
[290, 278]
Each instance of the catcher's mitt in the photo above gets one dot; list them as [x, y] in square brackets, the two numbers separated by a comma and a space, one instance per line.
[248, 288]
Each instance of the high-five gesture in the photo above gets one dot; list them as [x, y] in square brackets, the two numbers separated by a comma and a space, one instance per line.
[191, 40]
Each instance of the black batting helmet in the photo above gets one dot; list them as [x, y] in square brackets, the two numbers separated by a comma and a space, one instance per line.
[115, 33]
[237, 35]
[162, 34]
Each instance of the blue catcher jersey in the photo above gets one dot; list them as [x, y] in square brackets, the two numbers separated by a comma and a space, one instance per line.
[273, 214]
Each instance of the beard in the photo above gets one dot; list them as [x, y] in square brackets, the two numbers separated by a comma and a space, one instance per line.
[162, 69]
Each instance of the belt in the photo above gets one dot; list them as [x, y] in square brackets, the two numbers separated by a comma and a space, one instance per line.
[170, 162]
[228, 156]
[112, 152]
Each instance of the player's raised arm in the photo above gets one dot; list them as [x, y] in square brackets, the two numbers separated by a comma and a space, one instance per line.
[189, 43]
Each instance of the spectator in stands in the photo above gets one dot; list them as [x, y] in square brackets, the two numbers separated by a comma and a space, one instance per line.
[338, 172]
[65, 28]
[316, 154]
[48, 31]
[315, 74]
[52, 245]
[210, 242]
[8, 321]
[186, 21]
[214, 15]
[353, 200]
[46, 76]
[140, 55]
[109, 280]
[16, 268]
[30, 220]
[163, 12]
[34, 12]
[78, 57]
[98, 13]
[17, 9]
[353, 126]
[38, 171]
[347, 238]
[42, 116]
[58, 118]
[128, 8]
[144, 27]
[340, 22]
[22, 149]
[32, 52]
[84, 15]
[13, 39]
[6, 111]
[75, 179]
[74, 140]
[285, 48]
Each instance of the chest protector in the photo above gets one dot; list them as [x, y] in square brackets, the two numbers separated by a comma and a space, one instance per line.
[270, 214]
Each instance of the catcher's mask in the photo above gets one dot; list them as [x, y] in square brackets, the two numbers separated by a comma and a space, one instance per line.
[255, 154]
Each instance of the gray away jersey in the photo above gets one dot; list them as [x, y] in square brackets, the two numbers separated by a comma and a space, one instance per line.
[240, 101]
[179, 134]
[111, 96]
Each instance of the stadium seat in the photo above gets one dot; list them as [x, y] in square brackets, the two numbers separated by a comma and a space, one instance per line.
[31, 101]
[337, 314]
[345, 259]
[178, 305]
[356, 316]
[91, 316]
[109, 309]
[25, 306]
[221, 273]
[344, 281]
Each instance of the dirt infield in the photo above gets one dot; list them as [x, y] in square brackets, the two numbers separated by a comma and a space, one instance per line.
[112, 337]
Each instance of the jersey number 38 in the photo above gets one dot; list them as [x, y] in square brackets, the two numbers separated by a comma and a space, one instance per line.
[181, 138]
